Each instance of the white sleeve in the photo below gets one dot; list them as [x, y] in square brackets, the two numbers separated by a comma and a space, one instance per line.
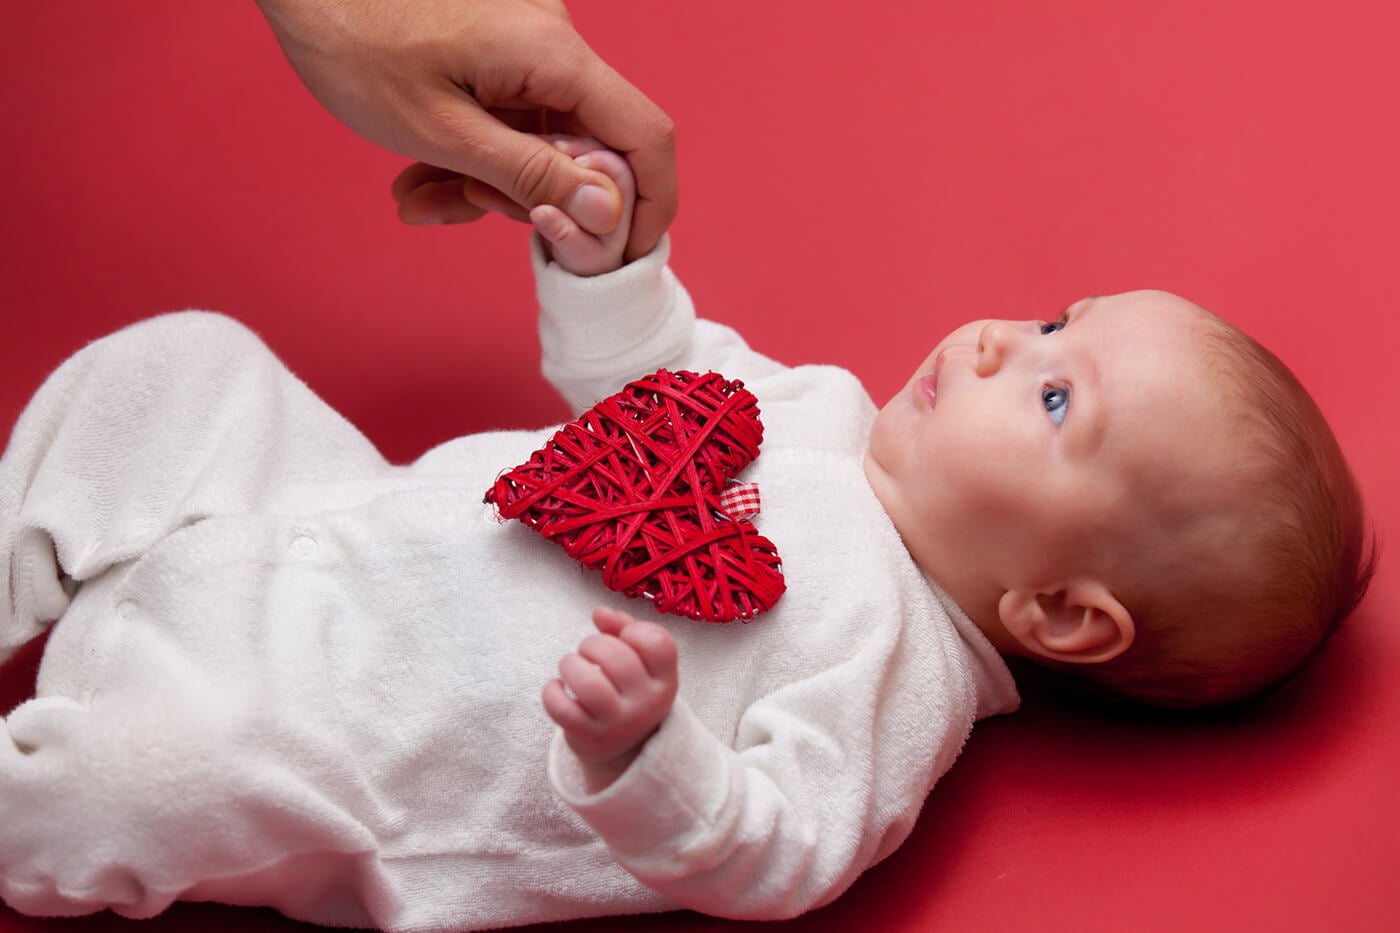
[597, 334]
[786, 820]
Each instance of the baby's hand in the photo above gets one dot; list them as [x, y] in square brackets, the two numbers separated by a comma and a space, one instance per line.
[572, 247]
[612, 694]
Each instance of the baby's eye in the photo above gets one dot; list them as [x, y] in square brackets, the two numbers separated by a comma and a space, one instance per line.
[1056, 402]
[1052, 327]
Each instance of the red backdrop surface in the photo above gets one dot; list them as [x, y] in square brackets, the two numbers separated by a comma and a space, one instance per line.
[853, 185]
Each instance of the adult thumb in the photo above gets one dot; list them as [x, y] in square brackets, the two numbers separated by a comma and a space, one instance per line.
[531, 171]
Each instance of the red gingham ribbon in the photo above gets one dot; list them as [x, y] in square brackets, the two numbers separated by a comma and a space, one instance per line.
[740, 500]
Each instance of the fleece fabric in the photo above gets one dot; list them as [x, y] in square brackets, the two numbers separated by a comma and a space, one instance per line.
[285, 672]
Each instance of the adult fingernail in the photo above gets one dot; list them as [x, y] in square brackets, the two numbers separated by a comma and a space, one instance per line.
[593, 208]
[426, 221]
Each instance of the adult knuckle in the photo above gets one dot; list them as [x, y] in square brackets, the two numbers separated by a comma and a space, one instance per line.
[563, 46]
[556, 35]
[429, 123]
[663, 129]
[554, 8]
[536, 177]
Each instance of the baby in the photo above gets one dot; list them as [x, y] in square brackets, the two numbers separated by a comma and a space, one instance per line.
[284, 672]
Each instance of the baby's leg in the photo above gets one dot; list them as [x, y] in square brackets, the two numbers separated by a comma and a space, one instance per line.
[133, 802]
[177, 418]
[124, 798]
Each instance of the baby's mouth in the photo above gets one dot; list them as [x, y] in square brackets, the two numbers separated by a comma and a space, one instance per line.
[927, 387]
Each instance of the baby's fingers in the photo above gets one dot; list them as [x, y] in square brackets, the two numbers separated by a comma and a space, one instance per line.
[610, 621]
[573, 146]
[617, 660]
[591, 687]
[655, 648]
[566, 231]
[564, 709]
[563, 706]
[573, 248]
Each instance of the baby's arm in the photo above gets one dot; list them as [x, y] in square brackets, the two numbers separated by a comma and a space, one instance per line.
[612, 694]
[604, 323]
[820, 779]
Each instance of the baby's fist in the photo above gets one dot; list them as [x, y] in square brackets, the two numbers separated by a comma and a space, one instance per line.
[571, 246]
[611, 694]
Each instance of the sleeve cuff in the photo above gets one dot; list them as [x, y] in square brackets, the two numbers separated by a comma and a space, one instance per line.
[673, 792]
[600, 325]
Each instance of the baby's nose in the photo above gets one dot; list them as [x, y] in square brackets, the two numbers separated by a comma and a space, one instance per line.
[996, 340]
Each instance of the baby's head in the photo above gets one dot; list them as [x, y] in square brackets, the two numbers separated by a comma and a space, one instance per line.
[1137, 493]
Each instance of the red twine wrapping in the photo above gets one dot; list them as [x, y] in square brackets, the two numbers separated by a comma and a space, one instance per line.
[633, 488]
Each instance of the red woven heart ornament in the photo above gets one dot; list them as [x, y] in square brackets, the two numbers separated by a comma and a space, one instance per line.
[633, 488]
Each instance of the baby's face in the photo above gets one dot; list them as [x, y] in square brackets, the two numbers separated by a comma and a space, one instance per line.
[1019, 449]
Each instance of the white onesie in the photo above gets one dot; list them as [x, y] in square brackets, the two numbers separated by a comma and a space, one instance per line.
[284, 672]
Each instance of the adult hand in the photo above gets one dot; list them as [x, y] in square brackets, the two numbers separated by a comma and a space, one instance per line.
[453, 83]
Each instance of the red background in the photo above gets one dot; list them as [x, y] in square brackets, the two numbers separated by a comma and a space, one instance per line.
[855, 181]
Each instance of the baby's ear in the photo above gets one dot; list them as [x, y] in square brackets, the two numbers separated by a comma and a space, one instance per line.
[1081, 622]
